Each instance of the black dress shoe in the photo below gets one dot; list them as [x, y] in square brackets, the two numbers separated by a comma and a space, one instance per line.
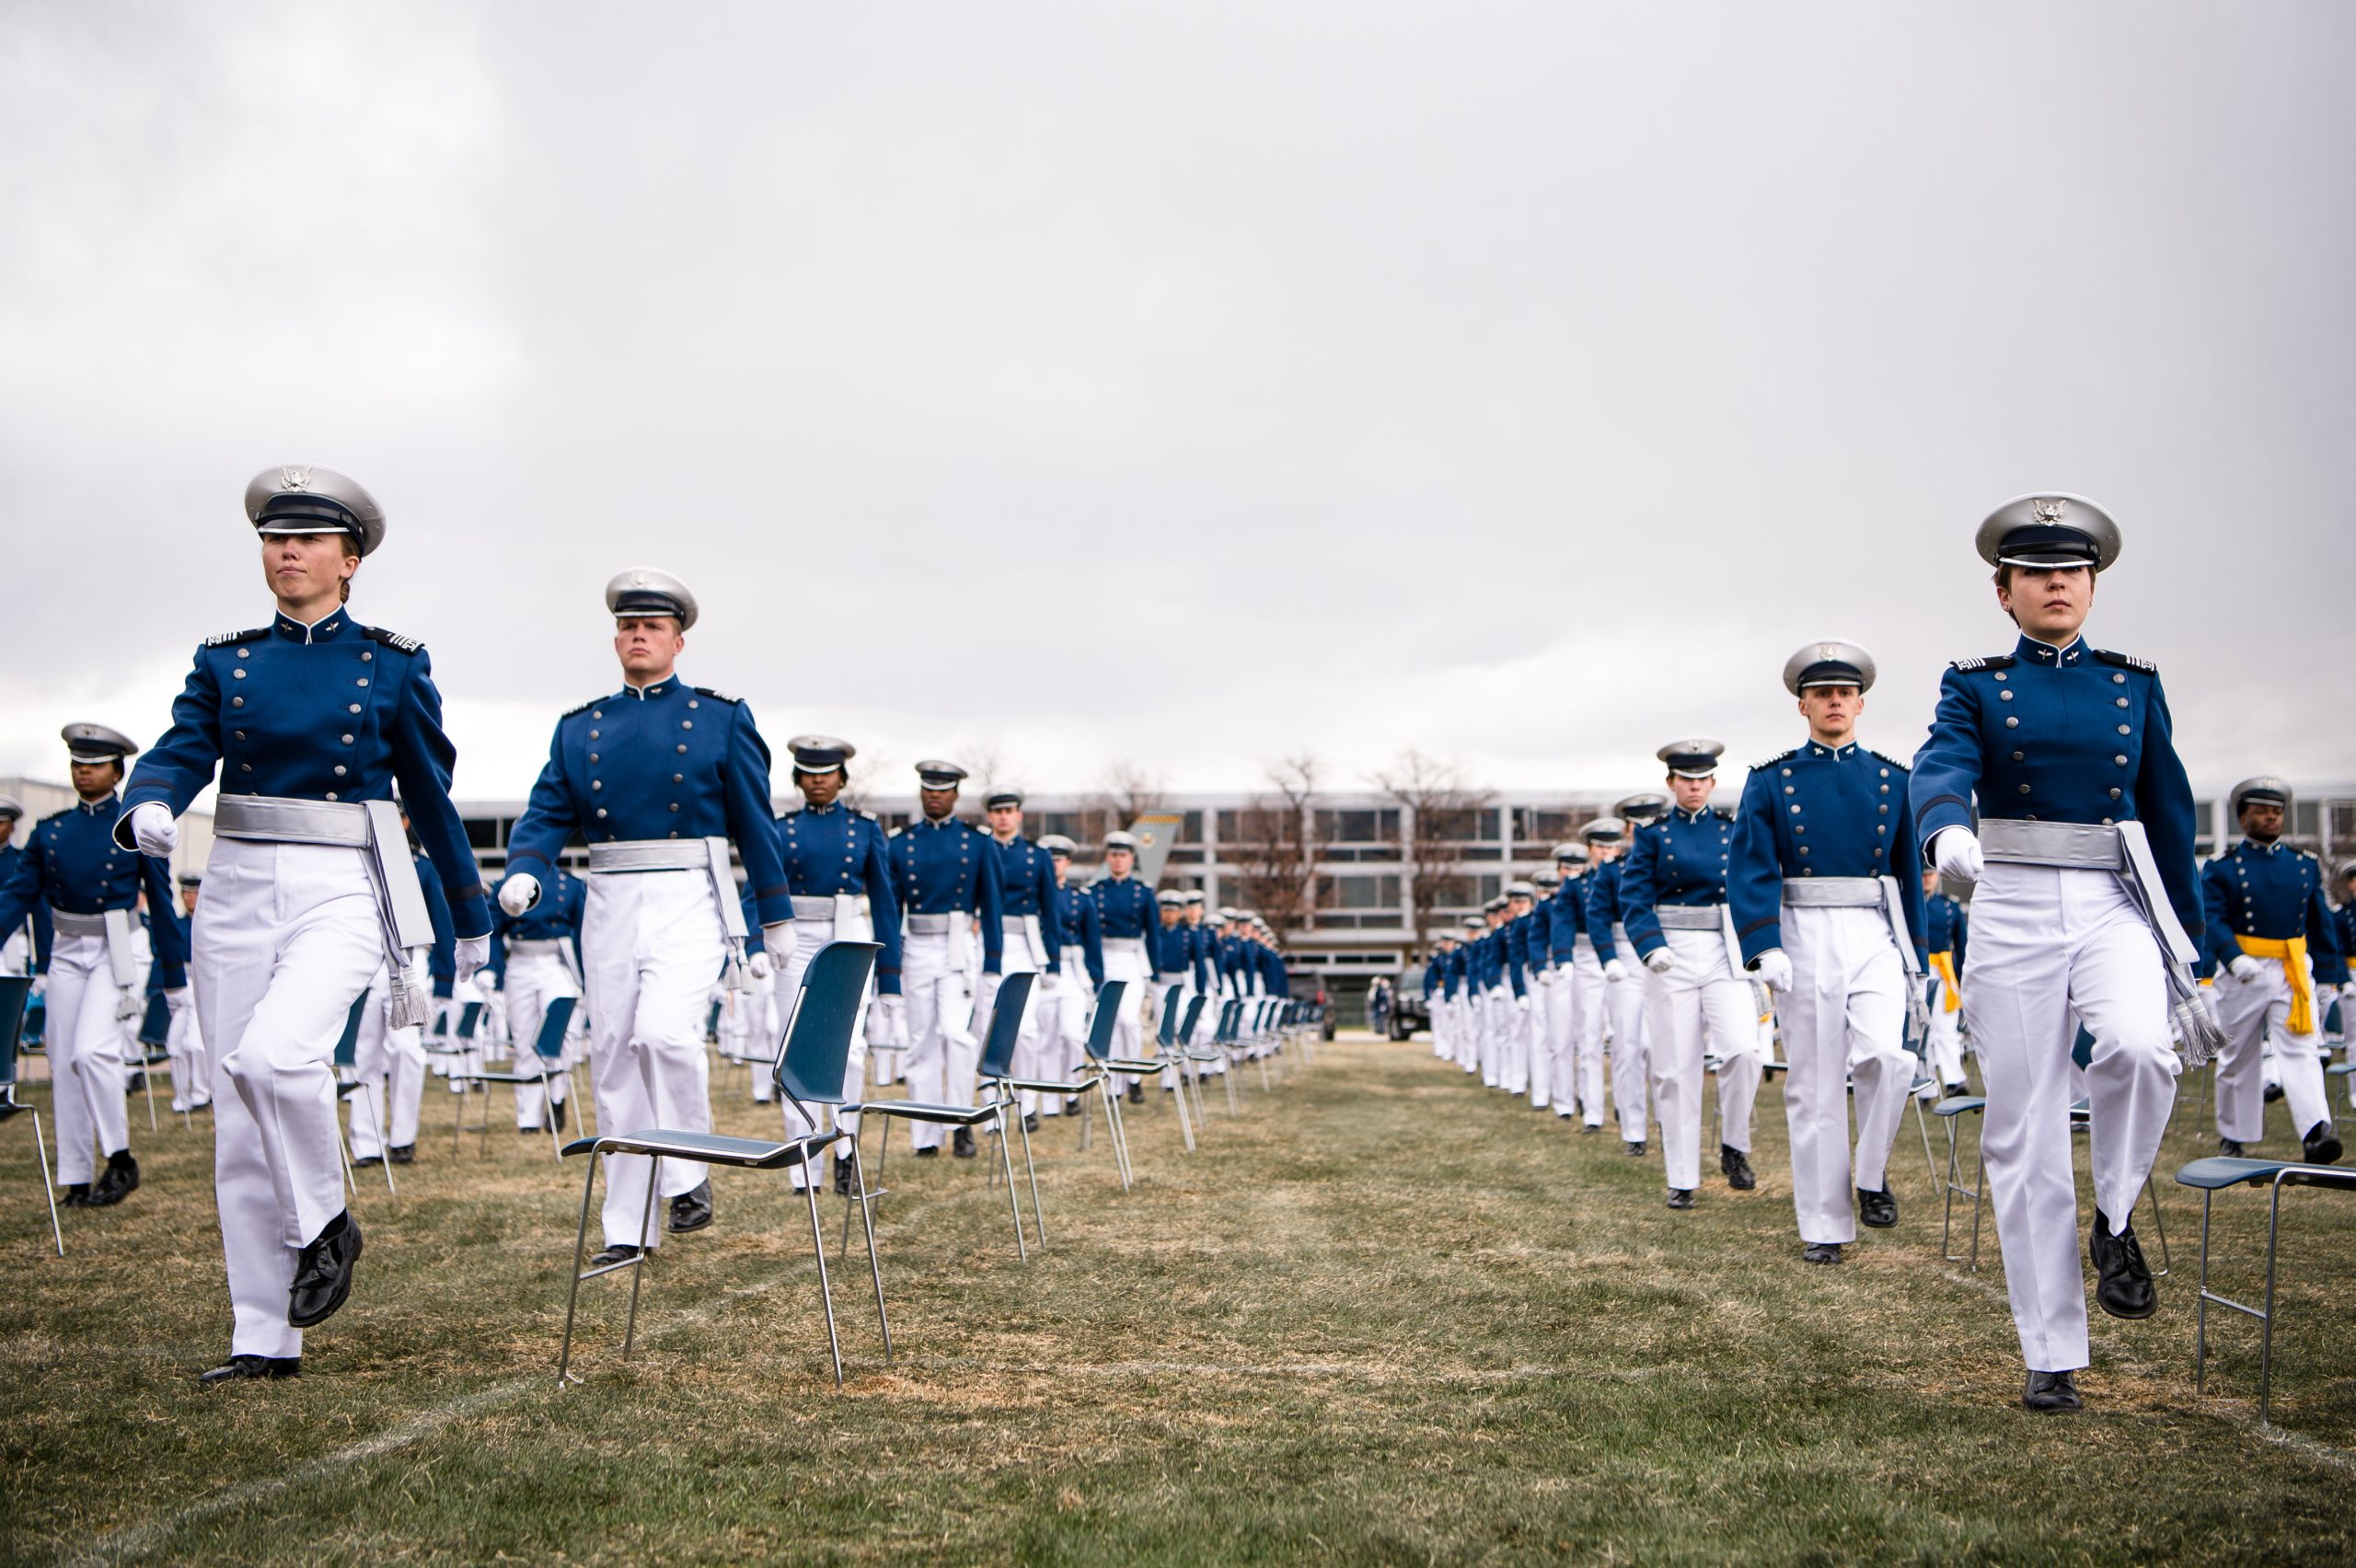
[1590, 1127]
[555, 1114]
[77, 1195]
[931, 1151]
[616, 1252]
[323, 1272]
[368, 1162]
[2322, 1144]
[1137, 1094]
[961, 1144]
[1071, 1106]
[2052, 1391]
[527, 1132]
[134, 1083]
[844, 1185]
[1820, 1252]
[1031, 1122]
[2273, 1093]
[1681, 1197]
[239, 1368]
[1877, 1209]
[2229, 1149]
[1736, 1166]
[403, 1154]
[691, 1210]
[2125, 1289]
[1635, 1148]
[116, 1183]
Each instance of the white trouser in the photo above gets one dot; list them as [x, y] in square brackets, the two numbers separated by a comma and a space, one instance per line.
[942, 1051]
[85, 1055]
[286, 938]
[1554, 1061]
[391, 1062]
[2251, 1014]
[1583, 1057]
[1844, 1018]
[192, 1068]
[2050, 948]
[534, 980]
[1125, 960]
[1521, 1029]
[1623, 1009]
[651, 941]
[1435, 1009]
[1701, 997]
[1035, 1048]
[1068, 1011]
[1496, 1004]
[1943, 1043]
[1464, 1028]
[809, 936]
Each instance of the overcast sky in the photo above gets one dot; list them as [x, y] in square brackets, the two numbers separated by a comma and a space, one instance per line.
[1189, 385]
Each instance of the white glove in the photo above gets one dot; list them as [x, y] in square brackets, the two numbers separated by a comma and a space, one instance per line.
[757, 965]
[152, 829]
[1660, 961]
[2244, 968]
[519, 893]
[1047, 982]
[1521, 1003]
[777, 940]
[1616, 971]
[472, 954]
[1773, 969]
[1955, 852]
[39, 988]
[887, 1024]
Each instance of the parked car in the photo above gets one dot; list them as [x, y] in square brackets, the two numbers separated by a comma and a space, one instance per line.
[1408, 1011]
[1307, 986]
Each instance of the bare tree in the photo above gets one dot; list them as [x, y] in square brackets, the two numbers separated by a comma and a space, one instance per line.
[1128, 792]
[1277, 846]
[1437, 813]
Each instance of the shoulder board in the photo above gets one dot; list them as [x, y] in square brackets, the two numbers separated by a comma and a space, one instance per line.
[223, 639]
[715, 696]
[391, 638]
[1993, 662]
[2126, 661]
[1772, 761]
[581, 708]
[1884, 757]
[870, 816]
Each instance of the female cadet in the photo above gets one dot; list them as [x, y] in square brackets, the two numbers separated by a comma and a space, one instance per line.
[2087, 909]
[312, 720]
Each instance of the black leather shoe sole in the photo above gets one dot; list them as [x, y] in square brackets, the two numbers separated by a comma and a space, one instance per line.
[250, 1369]
[323, 1276]
[1877, 1209]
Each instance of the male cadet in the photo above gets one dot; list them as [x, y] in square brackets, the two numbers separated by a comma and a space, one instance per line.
[1550, 1063]
[1672, 901]
[23, 945]
[833, 855]
[1513, 1070]
[1575, 999]
[183, 1039]
[945, 873]
[2272, 936]
[91, 885]
[535, 961]
[1027, 898]
[1491, 999]
[1127, 919]
[1202, 979]
[1623, 995]
[2087, 913]
[1828, 914]
[1073, 917]
[1945, 933]
[660, 778]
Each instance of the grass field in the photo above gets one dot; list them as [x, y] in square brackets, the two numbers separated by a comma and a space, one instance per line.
[1387, 1316]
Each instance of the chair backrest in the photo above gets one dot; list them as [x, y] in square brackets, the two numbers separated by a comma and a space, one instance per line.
[1108, 1013]
[14, 990]
[467, 1019]
[347, 1046]
[36, 1022]
[156, 1023]
[549, 1045]
[1230, 1017]
[712, 1022]
[1169, 1034]
[816, 1056]
[1006, 1024]
[1193, 1013]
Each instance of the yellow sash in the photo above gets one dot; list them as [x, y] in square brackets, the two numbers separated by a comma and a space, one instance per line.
[1950, 993]
[2292, 951]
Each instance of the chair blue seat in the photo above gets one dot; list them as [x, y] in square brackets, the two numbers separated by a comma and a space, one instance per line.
[1957, 1105]
[2213, 1175]
[711, 1148]
[2219, 1171]
[919, 1110]
[1052, 1086]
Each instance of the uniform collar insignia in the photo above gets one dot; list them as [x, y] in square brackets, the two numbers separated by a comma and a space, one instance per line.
[96, 808]
[321, 630]
[2047, 654]
[643, 692]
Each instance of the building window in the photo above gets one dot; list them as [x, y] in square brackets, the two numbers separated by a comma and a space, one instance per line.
[1358, 892]
[1379, 825]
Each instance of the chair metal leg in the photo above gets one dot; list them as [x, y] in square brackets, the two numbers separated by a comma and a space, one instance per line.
[548, 1110]
[580, 1253]
[825, 1291]
[638, 1273]
[1117, 1130]
[874, 1263]
[40, 1153]
[1234, 1071]
[1038, 1211]
[1922, 1125]
[384, 1145]
[1013, 1202]
[1185, 1118]
[2201, 1302]
[2266, 1333]
[148, 1083]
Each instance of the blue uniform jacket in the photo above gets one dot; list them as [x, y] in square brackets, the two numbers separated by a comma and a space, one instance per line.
[1565, 917]
[666, 760]
[1820, 811]
[441, 958]
[564, 900]
[1026, 885]
[1679, 859]
[1125, 908]
[1603, 907]
[2061, 734]
[839, 852]
[43, 931]
[72, 864]
[1517, 961]
[1076, 925]
[1945, 926]
[950, 868]
[2272, 891]
[336, 712]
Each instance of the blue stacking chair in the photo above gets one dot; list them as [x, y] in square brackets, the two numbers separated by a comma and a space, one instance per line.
[809, 1072]
[1089, 1081]
[2211, 1176]
[14, 990]
[998, 1061]
[348, 1083]
[547, 1065]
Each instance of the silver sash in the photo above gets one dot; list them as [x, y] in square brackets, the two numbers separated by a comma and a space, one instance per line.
[1690, 916]
[1832, 892]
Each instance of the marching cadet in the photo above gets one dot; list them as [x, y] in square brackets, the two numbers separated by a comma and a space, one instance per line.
[834, 854]
[1550, 995]
[92, 884]
[1945, 934]
[1203, 976]
[1026, 896]
[1672, 901]
[1491, 994]
[1126, 918]
[1828, 911]
[312, 720]
[2083, 856]
[945, 874]
[2273, 935]
[1436, 986]
[535, 959]
[1463, 999]
[1577, 997]
[1079, 939]
[659, 778]
[1513, 1072]
[184, 1040]
[24, 946]
[1623, 1008]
